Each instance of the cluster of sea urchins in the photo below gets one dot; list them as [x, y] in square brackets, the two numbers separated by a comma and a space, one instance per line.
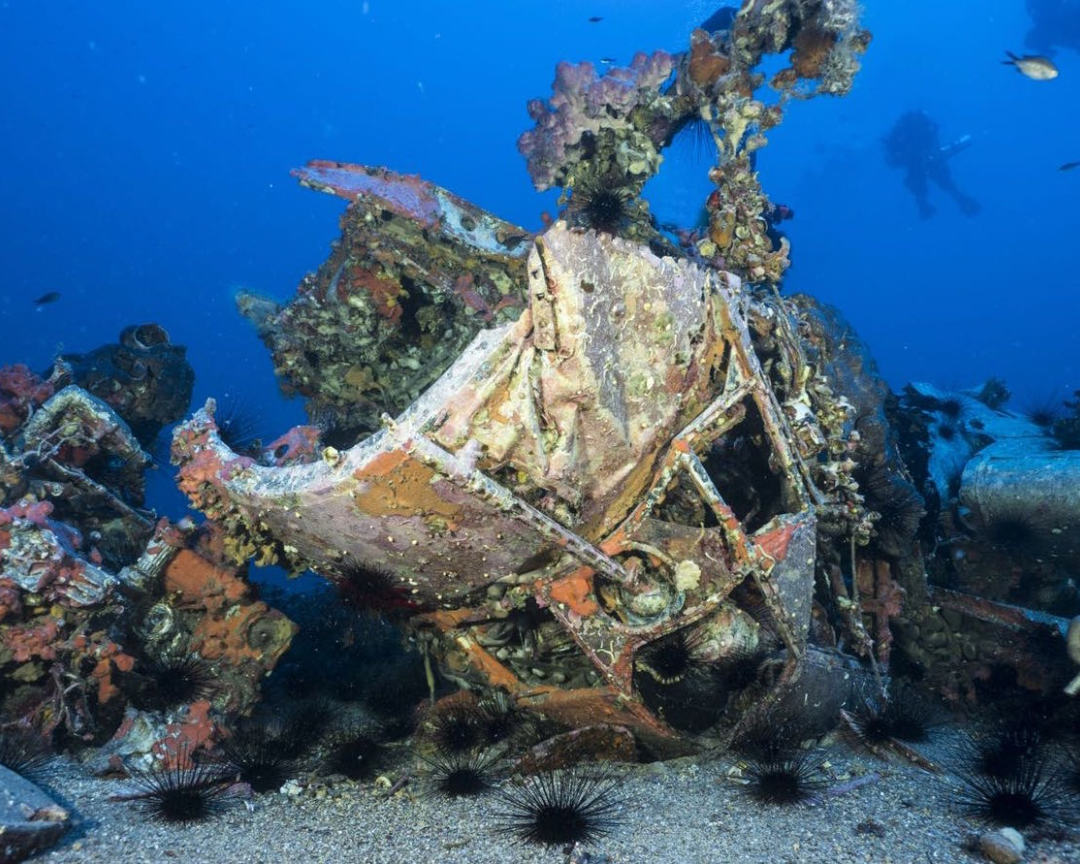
[473, 739]
[468, 745]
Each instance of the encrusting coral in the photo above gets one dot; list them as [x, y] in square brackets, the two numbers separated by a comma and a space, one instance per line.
[611, 129]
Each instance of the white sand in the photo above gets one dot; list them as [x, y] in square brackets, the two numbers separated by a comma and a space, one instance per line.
[676, 812]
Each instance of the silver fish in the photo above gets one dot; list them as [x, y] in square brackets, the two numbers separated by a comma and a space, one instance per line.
[1032, 66]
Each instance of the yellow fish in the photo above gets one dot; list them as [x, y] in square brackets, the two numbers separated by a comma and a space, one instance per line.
[1032, 66]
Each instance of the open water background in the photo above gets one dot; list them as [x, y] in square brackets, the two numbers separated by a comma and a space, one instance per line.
[145, 151]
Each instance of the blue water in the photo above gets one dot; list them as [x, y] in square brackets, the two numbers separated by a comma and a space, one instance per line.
[145, 151]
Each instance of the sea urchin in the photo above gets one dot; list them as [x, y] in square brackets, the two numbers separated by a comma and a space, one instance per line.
[456, 728]
[23, 749]
[180, 794]
[793, 778]
[371, 590]
[601, 203]
[461, 775]
[899, 508]
[906, 716]
[558, 808]
[678, 686]
[257, 758]
[1029, 795]
[354, 754]
[176, 681]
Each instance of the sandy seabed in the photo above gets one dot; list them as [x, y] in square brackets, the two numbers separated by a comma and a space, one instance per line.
[682, 811]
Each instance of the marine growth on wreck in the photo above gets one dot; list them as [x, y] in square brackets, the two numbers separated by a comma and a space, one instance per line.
[621, 439]
[600, 491]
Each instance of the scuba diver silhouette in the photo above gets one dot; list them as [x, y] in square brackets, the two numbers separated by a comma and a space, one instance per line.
[913, 145]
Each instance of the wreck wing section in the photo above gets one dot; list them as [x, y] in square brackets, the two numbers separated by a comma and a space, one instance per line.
[619, 358]
[397, 501]
[376, 502]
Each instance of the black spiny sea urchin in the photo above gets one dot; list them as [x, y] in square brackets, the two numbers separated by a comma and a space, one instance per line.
[906, 716]
[176, 681]
[180, 794]
[693, 137]
[1071, 770]
[1012, 531]
[371, 590]
[239, 424]
[789, 778]
[456, 728]
[394, 691]
[601, 203]
[954, 476]
[952, 407]
[257, 758]
[355, 754]
[23, 749]
[899, 507]
[689, 693]
[778, 770]
[1031, 794]
[558, 808]
[1044, 412]
[461, 775]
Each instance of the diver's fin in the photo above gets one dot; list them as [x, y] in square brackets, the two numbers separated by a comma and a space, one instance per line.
[961, 143]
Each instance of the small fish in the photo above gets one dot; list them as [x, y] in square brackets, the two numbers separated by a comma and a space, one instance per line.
[1068, 166]
[596, 19]
[607, 60]
[1032, 66]
[45, 299]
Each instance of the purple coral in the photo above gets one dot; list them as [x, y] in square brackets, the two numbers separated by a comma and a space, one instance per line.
[583, 102]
